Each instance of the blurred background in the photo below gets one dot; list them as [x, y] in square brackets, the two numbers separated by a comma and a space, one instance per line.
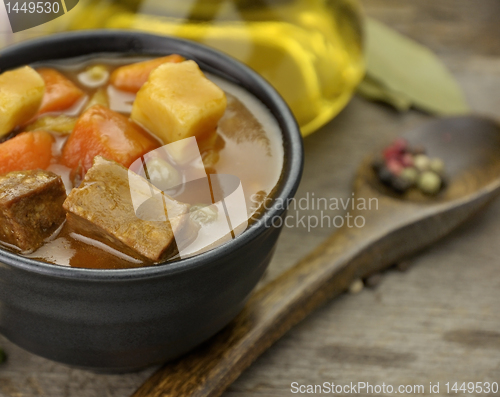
[309, 49]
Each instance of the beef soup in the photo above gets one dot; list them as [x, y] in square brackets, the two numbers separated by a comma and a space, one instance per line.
[81, 138]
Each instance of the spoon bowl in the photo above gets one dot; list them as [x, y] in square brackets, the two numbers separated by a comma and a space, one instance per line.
[469, 147]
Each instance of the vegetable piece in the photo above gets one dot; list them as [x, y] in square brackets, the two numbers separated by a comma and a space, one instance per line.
[98, 72]
[101, 131]
[26, 151]
[94, 76]
[203, 214]
[30, 207]
[178, 102]
[61, 125]
[102, 208]
[60, 92]
[162, 175]
[21, 93]
[100, 97]
[132, 77]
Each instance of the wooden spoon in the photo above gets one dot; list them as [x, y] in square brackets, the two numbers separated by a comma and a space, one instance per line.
[470, 148]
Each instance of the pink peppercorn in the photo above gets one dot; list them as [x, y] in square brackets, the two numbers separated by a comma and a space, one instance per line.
[394, 166]
[396, 150]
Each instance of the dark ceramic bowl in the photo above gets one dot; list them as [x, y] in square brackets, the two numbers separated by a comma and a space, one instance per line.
[122, 320]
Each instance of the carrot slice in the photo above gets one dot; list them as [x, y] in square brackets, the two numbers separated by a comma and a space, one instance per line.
[26, 151]
[131, 78]
[60, 92]
[101, 131]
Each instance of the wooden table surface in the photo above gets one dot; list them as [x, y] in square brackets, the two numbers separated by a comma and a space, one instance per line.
[437, 322]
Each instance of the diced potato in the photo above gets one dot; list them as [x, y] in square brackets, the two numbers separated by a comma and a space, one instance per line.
[178, 102]
[61, 125]
[21, 94]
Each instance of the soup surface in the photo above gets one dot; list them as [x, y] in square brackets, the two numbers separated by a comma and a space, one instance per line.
[247, 144]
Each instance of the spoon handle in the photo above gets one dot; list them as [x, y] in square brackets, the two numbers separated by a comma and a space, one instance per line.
[270, 312]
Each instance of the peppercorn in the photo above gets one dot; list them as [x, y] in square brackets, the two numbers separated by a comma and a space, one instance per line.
[385, 175]
[421, 162]
[410, 174]
[356, 286]
[400, 184]
[407, 160]
[402, 167]
[394, 166]
[398, 147]
[429, 182]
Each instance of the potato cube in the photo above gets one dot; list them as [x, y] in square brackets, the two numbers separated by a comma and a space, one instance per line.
[179, 102]
[21, 94]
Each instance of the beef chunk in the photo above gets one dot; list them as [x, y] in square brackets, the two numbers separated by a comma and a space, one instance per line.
[30, 207]
[102, 208]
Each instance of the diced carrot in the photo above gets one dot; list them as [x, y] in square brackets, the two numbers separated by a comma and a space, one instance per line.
[26, 151]
[101, 131]
[60, 92]
[131, 78]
